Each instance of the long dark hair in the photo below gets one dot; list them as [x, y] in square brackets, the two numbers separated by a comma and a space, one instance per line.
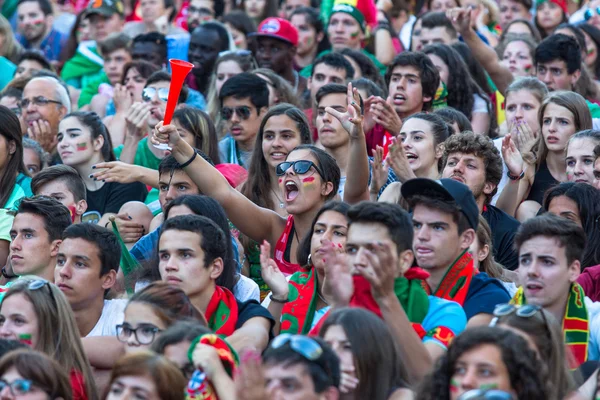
[10, 128]
[594, 34]
[70, 47]
[303, 251]
[587, 199]
[379, 367]
[97, 128]
[475, 68]
[258, 186]
[527, 374]
[313, 18]
[461, 86]
[198, 123]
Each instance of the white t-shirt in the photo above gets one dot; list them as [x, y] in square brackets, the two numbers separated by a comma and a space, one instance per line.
[246, 289]
[479, 105]
[113, 314]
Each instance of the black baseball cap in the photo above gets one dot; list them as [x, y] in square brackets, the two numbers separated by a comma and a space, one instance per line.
[105, 7]
[447, 190]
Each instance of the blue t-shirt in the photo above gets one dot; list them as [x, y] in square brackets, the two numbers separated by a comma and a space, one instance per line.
[484, 294]
[445, 313]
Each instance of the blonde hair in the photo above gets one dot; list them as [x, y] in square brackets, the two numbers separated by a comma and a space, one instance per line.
[58, 335]
[10, 49]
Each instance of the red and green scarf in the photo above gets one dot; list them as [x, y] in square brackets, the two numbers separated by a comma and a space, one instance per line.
[298, 314]
[457, 280]
[575, 325]
[222, 311]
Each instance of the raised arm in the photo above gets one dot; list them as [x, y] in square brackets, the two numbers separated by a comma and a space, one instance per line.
[487, 57]
[255, 222]
[136, 122]
[118, 171]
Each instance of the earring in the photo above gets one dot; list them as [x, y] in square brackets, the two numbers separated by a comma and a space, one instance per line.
[308, 261]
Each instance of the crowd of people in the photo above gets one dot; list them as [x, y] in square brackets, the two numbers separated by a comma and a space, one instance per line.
[354, 199]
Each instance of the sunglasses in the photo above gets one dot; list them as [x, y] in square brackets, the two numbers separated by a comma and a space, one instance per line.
[524, 311]
[588, 14]
[242, 111]
[303, 345]
[480, 394]
[18, 387]
[149, 92]
[299, 167]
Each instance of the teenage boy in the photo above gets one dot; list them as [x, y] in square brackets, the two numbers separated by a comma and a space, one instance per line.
[558, 62]
[35, 21]
[445, 219]
[244, 102]
[86, 268]
[35, 237]
[64, 184]
[550, 249]
[436, 28]
[475, 161]
[150, 47]
[276, 45]
[191, 251]
[293, 374]
[412, 81]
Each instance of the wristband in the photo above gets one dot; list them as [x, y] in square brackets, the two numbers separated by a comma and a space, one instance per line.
[188, 162]
[515, 178]
[280, 301]
[6, 275]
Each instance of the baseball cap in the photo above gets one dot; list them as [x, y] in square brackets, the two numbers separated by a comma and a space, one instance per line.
[277, 28]
[446, 190]
[105, 7]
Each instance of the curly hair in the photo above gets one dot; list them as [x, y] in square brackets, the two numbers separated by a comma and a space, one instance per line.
[527, 374]
[482, 147]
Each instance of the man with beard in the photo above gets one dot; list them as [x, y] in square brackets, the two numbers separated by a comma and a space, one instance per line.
[475, 161]
[276, 42]
[199, 12]
[35, 28]
[206, 42]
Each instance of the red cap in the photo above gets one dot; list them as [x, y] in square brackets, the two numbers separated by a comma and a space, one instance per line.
[278, 28]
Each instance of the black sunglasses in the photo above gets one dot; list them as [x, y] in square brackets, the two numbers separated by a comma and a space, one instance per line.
[242, 111]
[149, 92]
[300, 167]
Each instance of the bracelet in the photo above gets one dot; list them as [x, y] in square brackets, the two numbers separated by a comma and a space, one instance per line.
[515, 178]
[6, 275]
[188, 162]
[276, 300]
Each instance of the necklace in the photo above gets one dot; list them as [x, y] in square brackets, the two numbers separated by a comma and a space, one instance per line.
[321, 297]
[281, 204]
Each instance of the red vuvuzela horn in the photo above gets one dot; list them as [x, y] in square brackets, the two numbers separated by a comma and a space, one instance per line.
[179, 70]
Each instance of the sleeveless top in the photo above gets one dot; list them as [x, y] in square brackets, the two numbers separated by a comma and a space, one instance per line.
[543, 181]
[283, 248]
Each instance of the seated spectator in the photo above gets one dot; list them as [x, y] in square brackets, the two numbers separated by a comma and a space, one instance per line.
[30, 62]
[35, 28]
[34, 157]
[157, 16]
[150, 47]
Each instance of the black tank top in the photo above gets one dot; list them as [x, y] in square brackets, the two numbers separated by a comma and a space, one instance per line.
[543, 181]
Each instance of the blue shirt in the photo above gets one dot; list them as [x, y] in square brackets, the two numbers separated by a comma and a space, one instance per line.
[483, 295]
[445, 313]
[50, 47]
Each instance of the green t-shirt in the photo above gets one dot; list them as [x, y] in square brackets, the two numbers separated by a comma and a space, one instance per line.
[143, 156]
[594, 109]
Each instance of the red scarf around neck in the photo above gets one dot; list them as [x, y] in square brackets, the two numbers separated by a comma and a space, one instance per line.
[222, 312]
[457, 280]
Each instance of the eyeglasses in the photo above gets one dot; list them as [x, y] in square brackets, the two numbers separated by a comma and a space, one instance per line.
[303, 345]
[588, 14]
[299, 167]
[149, 92]
[242, 111]
[38, 101]
[144, 334]
[524, 311]
[18, 387]
[480, 394]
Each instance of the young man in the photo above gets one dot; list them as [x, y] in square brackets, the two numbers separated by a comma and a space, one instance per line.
[475, 161]
[244, 102]
[30, 62]
[36, 236]
[276, 44]
[35, 21]
[445, 219]
[436, 28]
[412, 81]
[150, 47]
[550, 249]
[86, 268]
[343, 141]
[199, 12]
[514, 9]
[191, 251]
[63, 184]
[106, 17]
[558, 62]
[206, 42]
[291, 375]
[379, 247]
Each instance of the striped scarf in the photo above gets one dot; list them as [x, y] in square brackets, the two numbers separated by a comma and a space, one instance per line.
[457, 280]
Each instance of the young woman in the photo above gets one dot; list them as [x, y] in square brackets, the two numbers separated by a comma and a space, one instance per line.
[560, 116]
[84, 141]
[371, 369]
[463, 93]
[516, 54]
[455, 119]
[283, 128]
[34, 375]
[145, 375]
[592, 44]
[579, 202]
[580, 156]
[312, 39]
[152, 310]
[418, 155]
[522, 27]
[329, 228]
[79, 33]
[510, 366]
[474, 67]
[364, 67]
[196, 128]
[545, 337]
[226, 66]
[36, 311]
[548, 15]
[128, 92]
[239, 24]
[258, 10]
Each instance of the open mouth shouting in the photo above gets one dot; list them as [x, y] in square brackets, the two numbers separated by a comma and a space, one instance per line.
[291, 190]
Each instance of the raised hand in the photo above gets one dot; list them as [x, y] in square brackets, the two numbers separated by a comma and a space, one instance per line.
[348, 379]
[352, 119]
[137, 120]
[338, 284]
[206, 358]
[380, 171]
[461, 19]
[385, 115]
[122, 98]
[380, 269]
[398, 161]
[166, 134]
[271, 274]
[512, 156]
[250, 377]
[526, 138]
[114, 171]
[369, 118]
[41, 132]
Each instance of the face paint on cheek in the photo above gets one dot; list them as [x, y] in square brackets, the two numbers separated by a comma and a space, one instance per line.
[489, 386]
[354, 35]
[25, 338]
[528, 68]
[73, 212]
[81, 146]
[280, 180]
[309, 182]
[454, 385]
